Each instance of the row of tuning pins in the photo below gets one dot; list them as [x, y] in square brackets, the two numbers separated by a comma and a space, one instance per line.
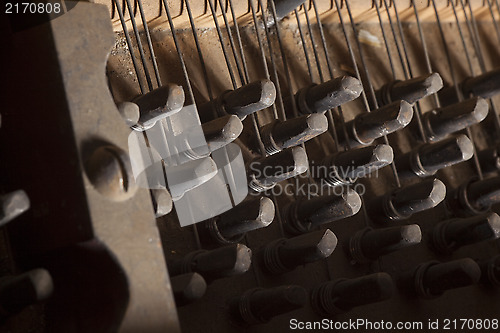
[283, 138]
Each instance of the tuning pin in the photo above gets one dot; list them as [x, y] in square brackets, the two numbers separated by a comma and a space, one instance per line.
[368, 126]
[450, 235]
[258, 306]
[369, 244]
[441, 122]
[189, 175]
[279, 135]
[266, 172]
[489, 159]
[427, 159]
[432, 279]
[410, 90]
[318, 98]
[231, 226]
[485, 85]
[225, 261]
[241, 102]
[12, 205]
[346, 167]
[402, 203]
[221, 131]
[301, 216]
[490, 271]
[162, 202]
[284, 255]
[342, 295]
[476, 196]
[188, 288]
[129, 112]
[18, 292]
[158, 104]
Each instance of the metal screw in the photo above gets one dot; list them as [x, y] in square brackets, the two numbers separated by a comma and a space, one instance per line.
[284, 255]
[369, 244]
[402, 203]
[279, 135]
[158, 104]
[342, 295]
[410, 90]
[301, 216]
[12, 205]
[441, 122]
[188, 288]
[258, 306]
[450, 235]
[368, 126]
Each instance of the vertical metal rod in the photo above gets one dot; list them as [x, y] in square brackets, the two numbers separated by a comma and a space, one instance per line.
[462, 39]
[329, 114]
[368, 80]
[409, 73]
[330, 71]
[129, 44]
[495, 23]
[279, 95]
[283, 57]
[455, 82]
[200, 54]
[482, 64]
[150, 44]
[304, 46]
[222, 44]
[384, 37]
[313, 42]
[139, 45]
[188, 86]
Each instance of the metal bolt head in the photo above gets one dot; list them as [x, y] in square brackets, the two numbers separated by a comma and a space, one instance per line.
[108, 169]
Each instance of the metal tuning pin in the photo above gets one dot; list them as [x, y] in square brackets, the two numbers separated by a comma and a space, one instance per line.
[441, 122]
[18, 292]
[410, 90]
[452, 234]
[369, 244]
[432, 279]
[490, 271]
[241, 102]
[301, 216]
[188, 288]
[258, 306]
[485, 85]
[253, 214]
[342, 295]
[158, 104]
[346, 167]
[12, 205]
[266, 172]
[162, 202]
[185, 177]
[476, 196]
[319, 98]
[427, 159]
[284, 255]
[225, 261]
[489, 159]
[279, 135]
[129, 112]
[402, 203]
[221, 131]
[368, 126]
